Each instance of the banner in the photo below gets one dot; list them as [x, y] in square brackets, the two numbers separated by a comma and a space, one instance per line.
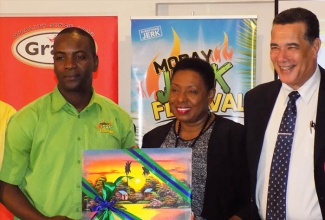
[26, 59]
[228, 44]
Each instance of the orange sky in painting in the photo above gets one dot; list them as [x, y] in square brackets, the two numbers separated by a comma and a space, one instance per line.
[114, 166]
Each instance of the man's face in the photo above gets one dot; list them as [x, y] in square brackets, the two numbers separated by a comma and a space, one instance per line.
[74, 62]
[294, 58]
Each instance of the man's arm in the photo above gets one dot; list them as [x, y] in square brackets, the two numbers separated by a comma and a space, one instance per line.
[17, 203]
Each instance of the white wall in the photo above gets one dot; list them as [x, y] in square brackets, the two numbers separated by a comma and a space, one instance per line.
[125, 9]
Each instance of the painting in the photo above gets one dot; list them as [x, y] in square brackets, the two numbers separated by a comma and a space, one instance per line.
[137, 184]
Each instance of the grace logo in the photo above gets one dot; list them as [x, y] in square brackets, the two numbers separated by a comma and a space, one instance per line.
[35, 48]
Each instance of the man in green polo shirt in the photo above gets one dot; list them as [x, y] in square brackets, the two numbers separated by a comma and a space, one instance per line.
[41, 173]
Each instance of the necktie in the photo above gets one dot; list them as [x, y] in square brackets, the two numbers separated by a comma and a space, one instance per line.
[276, 198]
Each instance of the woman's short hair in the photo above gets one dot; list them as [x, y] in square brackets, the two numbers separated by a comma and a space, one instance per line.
[200, 66]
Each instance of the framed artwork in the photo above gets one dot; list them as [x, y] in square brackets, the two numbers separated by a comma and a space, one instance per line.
[137, 184]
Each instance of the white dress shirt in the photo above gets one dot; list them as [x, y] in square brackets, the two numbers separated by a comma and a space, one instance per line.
[302, 202]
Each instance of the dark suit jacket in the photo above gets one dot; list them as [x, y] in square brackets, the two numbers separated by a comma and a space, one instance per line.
[259, 103]
[227, 189]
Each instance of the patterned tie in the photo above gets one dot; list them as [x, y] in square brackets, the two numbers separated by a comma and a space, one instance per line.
[276, 198]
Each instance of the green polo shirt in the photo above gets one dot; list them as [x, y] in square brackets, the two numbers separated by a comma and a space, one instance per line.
[44, 143]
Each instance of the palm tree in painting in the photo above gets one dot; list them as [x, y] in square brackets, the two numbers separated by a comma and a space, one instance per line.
[146, 172]
[127, 170]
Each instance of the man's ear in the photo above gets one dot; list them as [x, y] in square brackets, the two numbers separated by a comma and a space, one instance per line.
[96, 62]
[316, 46]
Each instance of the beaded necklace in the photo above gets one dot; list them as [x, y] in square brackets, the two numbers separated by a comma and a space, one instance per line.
[197, 137]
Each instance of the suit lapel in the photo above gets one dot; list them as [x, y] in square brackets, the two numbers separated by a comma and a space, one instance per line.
[320, 118]
[266, 108]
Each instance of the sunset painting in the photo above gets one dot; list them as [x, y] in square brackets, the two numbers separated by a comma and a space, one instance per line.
[137, 184]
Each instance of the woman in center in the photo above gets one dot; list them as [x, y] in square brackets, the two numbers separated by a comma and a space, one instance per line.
[220, 174]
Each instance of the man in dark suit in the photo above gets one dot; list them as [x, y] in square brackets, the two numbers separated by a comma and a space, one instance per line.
[294, 46]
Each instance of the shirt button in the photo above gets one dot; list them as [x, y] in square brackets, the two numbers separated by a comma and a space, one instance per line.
[79, 161]
[78, 138]
[78, 185]
[77, 209]
[78, 116]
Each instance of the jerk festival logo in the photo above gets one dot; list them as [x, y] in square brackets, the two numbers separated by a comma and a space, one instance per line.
[166, 67]
[222, 60]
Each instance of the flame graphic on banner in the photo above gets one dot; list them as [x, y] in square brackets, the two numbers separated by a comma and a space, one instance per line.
[222, 50]
[152, 78]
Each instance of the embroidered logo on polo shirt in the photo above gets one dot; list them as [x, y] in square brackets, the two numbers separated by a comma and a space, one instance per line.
[106, 127]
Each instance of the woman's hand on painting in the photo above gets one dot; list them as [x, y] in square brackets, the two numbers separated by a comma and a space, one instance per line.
[135, 147]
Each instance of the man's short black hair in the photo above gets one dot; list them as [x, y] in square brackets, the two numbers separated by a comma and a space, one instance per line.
[296, 15]
[83, 33]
